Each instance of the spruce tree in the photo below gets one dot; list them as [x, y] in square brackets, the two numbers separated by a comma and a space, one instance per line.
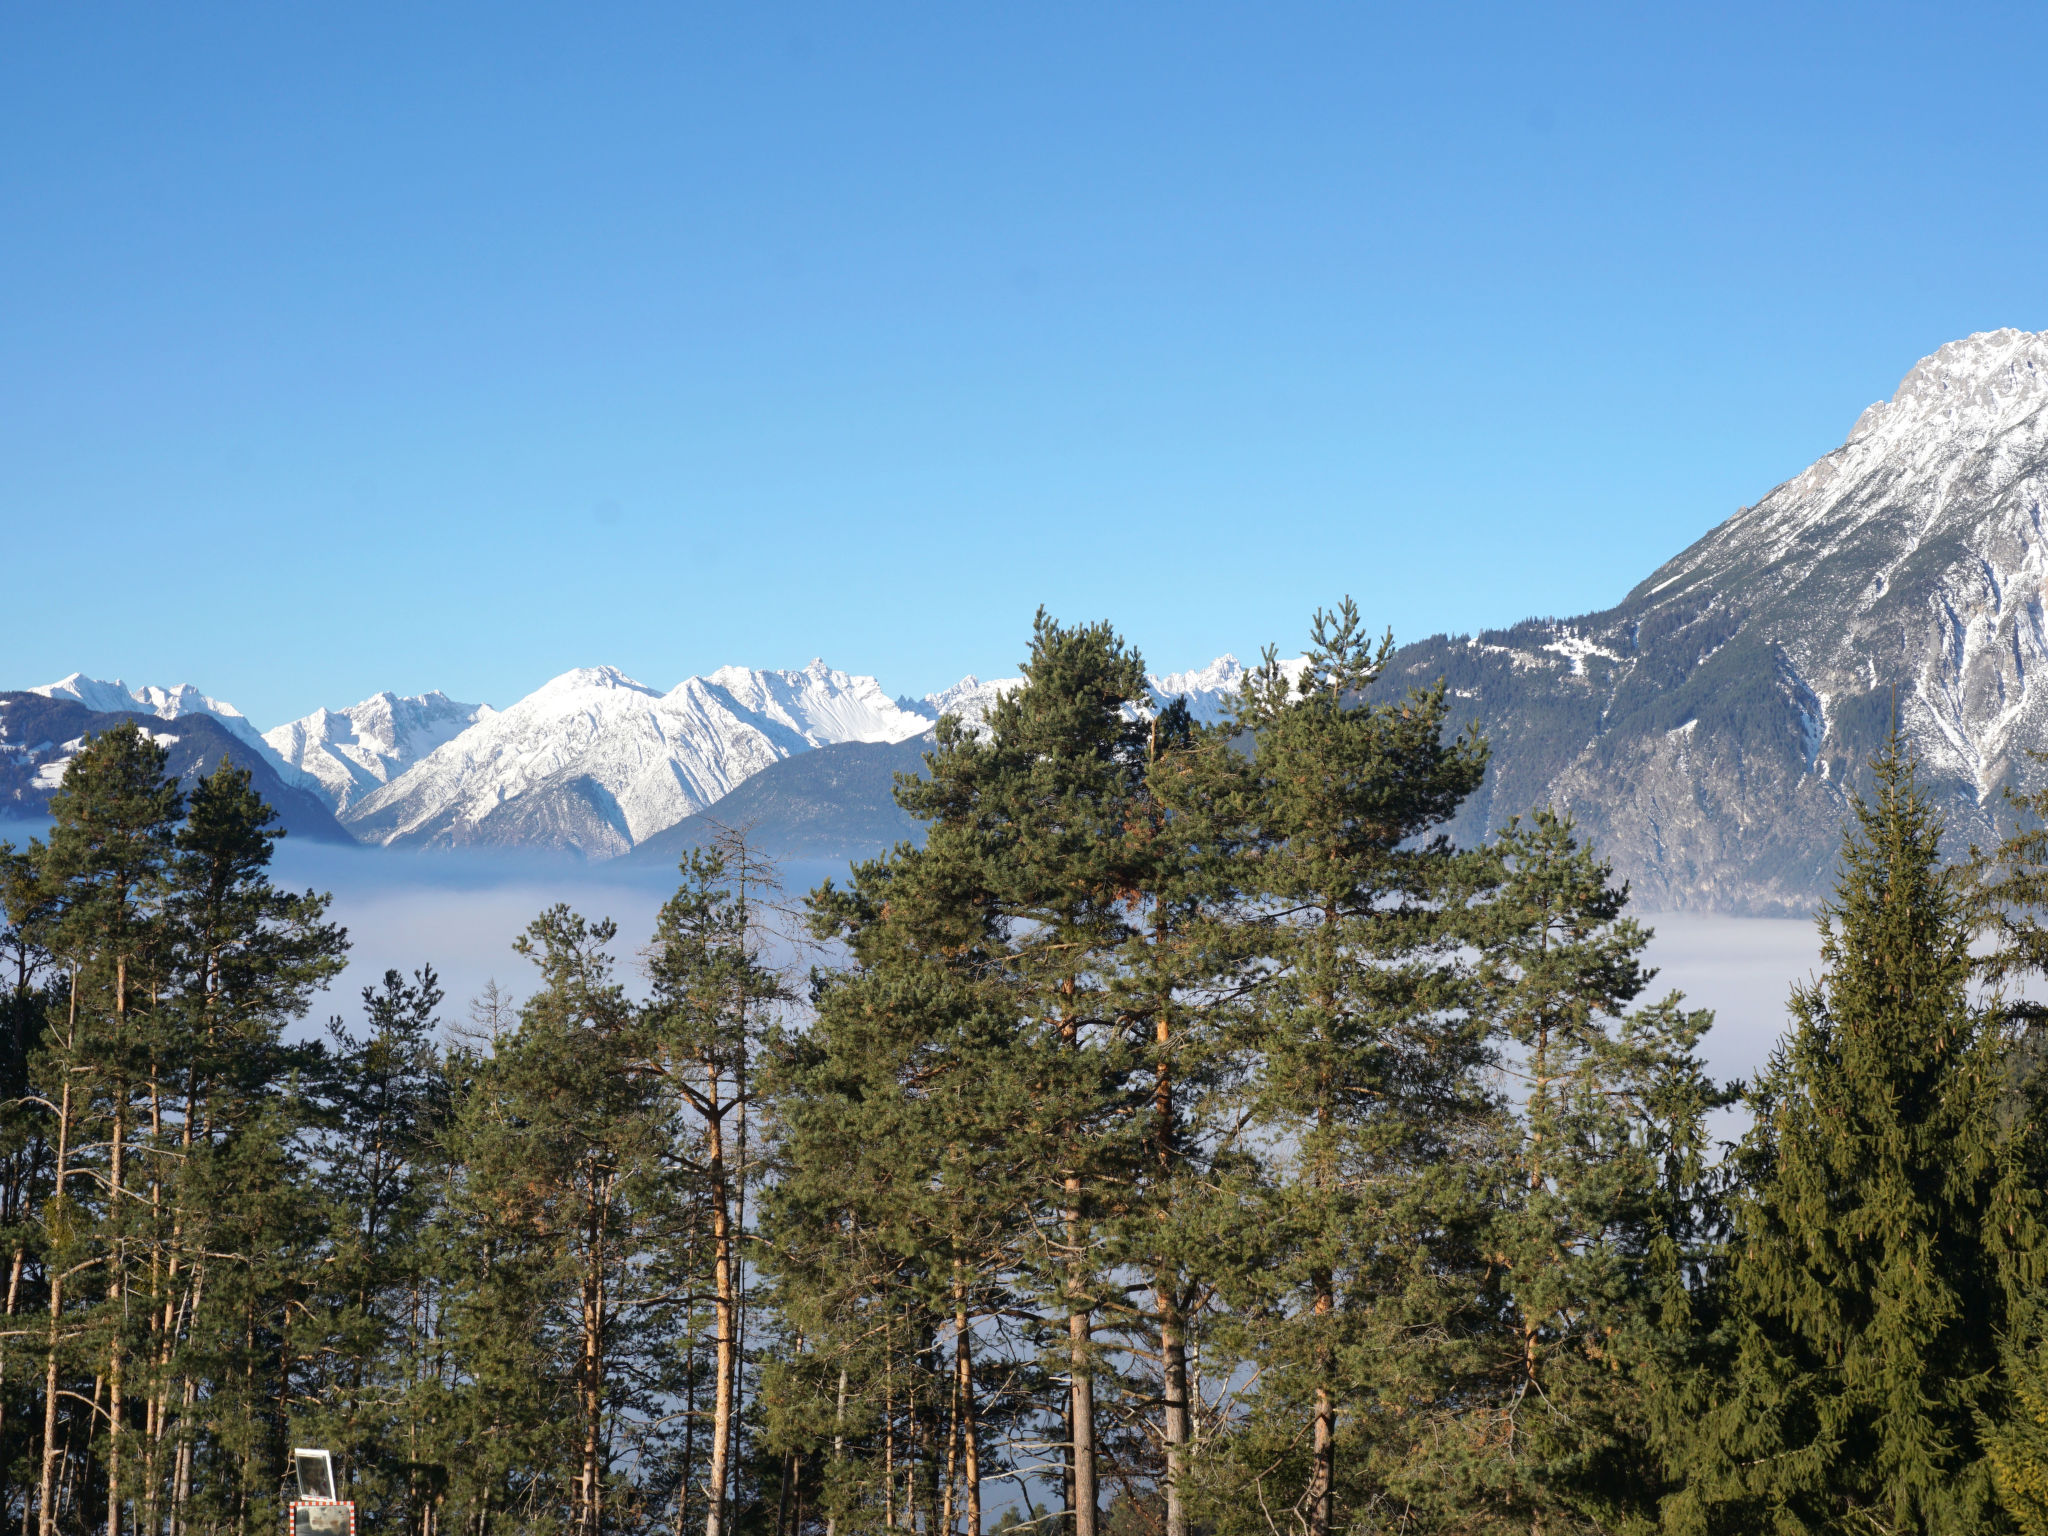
[2011, 895]
[1886, 1219]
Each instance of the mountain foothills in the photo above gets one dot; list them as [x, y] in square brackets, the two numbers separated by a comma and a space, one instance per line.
[1707, 731]
[1177, 1138]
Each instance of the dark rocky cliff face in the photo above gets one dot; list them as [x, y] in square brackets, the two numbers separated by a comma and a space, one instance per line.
[1708, 730]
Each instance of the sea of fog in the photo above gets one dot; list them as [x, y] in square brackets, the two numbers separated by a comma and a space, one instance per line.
[461, 912]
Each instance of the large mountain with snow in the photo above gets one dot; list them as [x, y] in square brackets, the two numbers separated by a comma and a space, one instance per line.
[117, 698]
[1709, 729]
[595, 761]
[346, 754]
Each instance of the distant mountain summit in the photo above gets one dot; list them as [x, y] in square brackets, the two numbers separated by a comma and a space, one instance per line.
[346, 754]
[117, 698]
[1708, 730]
[596, 761]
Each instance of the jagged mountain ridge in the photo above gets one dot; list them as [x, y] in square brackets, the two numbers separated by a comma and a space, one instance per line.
[1708, 730]
[346, 754]
[596, 762]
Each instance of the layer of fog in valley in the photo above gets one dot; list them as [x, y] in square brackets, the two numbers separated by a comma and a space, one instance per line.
[462, 911]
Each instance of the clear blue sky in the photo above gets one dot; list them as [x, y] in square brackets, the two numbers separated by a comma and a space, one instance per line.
[346, 347]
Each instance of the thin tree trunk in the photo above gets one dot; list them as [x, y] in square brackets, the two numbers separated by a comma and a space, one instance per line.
[117, 1288]
[1081, 1390]
[1173, 1374]
[590, 1490]
[970, 1433]
[46, 1491]
[1083, 1395]
[838, 1439]
[689, 1403]
[723, 1309]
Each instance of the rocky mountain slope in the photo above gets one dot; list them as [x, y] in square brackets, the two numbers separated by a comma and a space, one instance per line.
[1707, 731]
[837, 802]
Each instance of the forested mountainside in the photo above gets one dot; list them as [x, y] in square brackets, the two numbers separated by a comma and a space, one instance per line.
[1707, 731]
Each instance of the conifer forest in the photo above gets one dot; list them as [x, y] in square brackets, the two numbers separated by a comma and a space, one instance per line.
[1186, 1136]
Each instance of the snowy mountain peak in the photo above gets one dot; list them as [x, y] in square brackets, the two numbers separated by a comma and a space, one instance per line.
[1225, 672]
[970, 698]
[596, 761]
[346, 754]
[580, 679]
[1977, 386]
[165, 703]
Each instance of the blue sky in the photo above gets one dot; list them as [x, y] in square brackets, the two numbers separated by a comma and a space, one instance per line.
[354, 347]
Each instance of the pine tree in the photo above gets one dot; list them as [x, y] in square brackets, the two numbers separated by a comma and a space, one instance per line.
[899, 1206]
[1886, 1220]
[1038, 842]
[562, 1200]
[109, 853]
[714, 1000]
[1354, 1253]
[384, 1174]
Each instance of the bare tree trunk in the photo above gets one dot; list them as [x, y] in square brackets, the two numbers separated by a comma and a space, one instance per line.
[888, 1431]
[1081, 1392]
[1083, 1398]
[963, 1365]
[838, 1440]
[590, 1490]
[1173, 1372]
[723, 1310]
[46, 1489]
[117, 1292]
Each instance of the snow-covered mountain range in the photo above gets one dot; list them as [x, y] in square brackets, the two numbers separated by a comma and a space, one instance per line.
[117, 697]
[1708, 731]
[593, 760]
